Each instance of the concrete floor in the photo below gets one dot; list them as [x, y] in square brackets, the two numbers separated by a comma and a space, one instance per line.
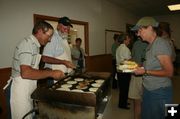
[113, 112]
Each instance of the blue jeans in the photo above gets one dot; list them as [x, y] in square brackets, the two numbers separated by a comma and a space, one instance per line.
[153, 104]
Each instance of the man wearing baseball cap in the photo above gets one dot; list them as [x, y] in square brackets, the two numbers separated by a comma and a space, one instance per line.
[59, 47]
[157, 70]
[65, 21]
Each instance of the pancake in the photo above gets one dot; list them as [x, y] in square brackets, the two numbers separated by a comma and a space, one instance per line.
[96, 85]
[93, 89]
[79, 79]
[81, 87]
[63, 89]
[71, 82]
[77, 90]
[100, 81]
[66, 86]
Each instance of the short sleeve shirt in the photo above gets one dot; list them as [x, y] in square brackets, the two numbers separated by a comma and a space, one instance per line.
[158, 47]
[122, 53]
[25, 53]
[138, 51]
[76, 53]
[113, 50]
[54, 47]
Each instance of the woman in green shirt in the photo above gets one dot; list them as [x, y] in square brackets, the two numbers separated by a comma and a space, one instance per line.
[113, 50]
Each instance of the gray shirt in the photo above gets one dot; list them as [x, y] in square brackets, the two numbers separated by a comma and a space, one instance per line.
[158, 47]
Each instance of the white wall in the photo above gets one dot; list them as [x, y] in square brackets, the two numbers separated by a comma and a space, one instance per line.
[173, 20]
[17, 21]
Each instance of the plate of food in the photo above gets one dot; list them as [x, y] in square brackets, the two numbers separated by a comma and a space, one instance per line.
[66, 86]
[127, 66]
[93, 89]
[96, 85]
[79, 79]
[71, 82]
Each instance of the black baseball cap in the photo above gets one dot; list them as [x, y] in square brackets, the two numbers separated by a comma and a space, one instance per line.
[65, 21]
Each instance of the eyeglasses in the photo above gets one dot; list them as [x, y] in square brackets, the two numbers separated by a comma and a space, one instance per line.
[48, 34]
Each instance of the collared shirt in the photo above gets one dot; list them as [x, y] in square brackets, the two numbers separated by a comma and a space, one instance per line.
[25, 53]
[54, 48]
[122, 53]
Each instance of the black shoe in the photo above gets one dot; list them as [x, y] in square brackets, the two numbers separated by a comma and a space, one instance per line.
[114, 87]
[124, 107]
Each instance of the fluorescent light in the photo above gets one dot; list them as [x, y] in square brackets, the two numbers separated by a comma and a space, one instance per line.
[174, 7]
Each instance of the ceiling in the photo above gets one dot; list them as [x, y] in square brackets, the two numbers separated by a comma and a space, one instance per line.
[147, 7]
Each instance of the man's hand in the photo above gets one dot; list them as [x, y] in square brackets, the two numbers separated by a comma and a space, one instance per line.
[69, 64]
[57, 74]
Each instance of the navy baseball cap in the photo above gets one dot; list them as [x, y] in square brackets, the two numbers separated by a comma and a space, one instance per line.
[65, 21]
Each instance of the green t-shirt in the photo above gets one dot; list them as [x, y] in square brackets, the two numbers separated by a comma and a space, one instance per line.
[138, 51]
[113, 50]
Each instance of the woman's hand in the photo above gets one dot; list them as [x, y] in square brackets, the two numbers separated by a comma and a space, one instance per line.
[139, 71]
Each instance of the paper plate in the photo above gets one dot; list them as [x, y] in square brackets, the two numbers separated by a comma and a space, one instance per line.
[96, 85]
[77, 90]
[71, 82]
[66, 86]
[63, 89]
[93, 89]
[100, 81]
[128, 71]
[79, 79]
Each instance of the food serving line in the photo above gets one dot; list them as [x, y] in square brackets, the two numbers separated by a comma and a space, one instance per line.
[78, 96]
